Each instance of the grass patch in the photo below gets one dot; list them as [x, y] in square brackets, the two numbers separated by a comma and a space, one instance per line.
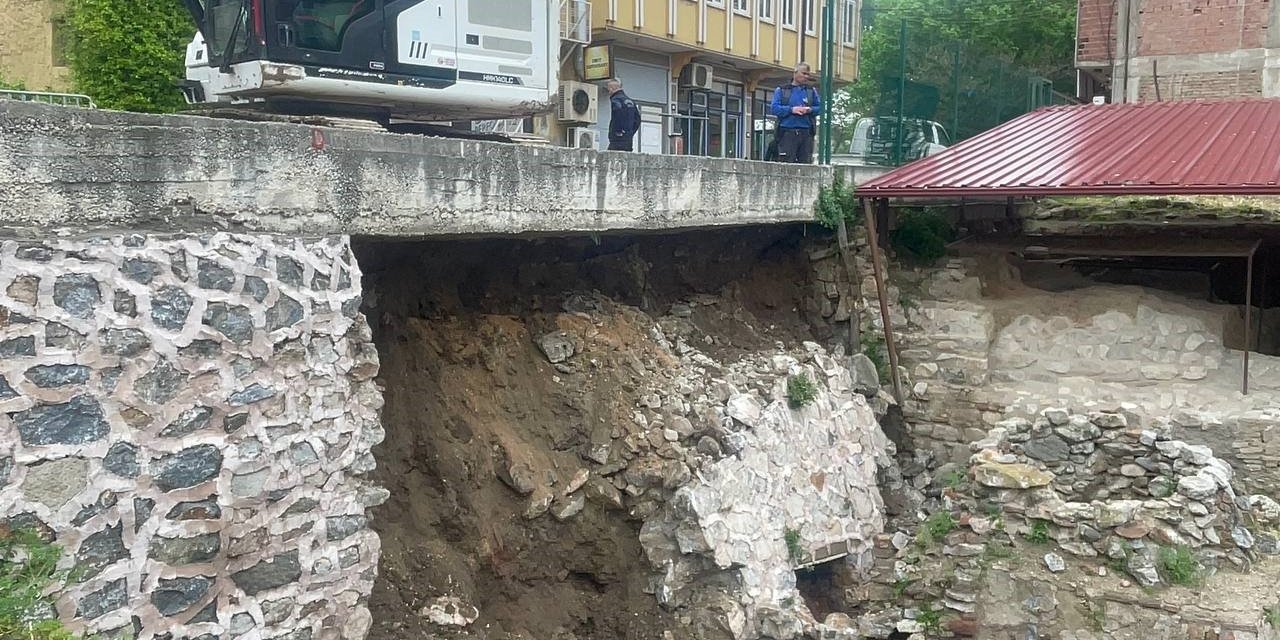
[1039, 533]
[794, 551]
[930, 619]
[1179, 566]
[934, 528]
[801, 391]
[28, 570]
[900, 587]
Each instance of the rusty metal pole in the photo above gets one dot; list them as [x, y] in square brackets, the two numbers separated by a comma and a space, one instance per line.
[1248, 317]
[882, 291]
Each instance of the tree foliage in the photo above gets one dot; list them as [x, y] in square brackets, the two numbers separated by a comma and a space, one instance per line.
[1000, 46]
[128, 54]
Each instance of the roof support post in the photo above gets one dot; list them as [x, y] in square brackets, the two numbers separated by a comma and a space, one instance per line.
[882, 292]
[1248, 317]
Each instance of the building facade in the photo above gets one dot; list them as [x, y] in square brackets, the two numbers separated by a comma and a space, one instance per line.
[33, 44]
[702, 71]
[1144, 50]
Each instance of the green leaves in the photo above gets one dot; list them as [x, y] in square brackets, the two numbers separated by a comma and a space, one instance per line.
[28, 568]
[128, 54]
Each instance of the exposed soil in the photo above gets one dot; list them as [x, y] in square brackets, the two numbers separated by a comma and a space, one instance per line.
[468, 392]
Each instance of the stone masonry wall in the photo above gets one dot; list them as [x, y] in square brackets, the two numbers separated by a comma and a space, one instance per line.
[975, 359]
[779, 487]
[188, 418]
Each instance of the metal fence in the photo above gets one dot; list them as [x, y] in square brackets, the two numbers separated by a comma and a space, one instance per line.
[64, 99]
[924, 93]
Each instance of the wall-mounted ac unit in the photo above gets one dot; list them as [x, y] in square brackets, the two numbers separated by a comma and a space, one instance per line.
[579, 102]
[581, 138]
[696, 75]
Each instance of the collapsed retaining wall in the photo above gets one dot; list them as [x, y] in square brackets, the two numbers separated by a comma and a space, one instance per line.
[189, 416]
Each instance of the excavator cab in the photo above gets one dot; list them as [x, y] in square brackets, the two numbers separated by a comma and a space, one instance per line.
[345, 34]
[425, 60]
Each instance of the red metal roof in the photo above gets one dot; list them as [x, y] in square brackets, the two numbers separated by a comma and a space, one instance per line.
[1155, 148]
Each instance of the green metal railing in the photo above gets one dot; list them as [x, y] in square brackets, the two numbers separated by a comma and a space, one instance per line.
[64, 99]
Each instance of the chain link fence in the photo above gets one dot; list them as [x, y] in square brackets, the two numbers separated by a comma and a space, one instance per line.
[922, 92]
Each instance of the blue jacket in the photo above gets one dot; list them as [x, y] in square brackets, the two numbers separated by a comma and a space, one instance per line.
[799, 95]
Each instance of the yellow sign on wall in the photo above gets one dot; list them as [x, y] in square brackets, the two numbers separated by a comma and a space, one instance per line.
[597, 62]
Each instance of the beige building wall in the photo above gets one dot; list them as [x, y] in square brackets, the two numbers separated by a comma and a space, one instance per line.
[30, 30]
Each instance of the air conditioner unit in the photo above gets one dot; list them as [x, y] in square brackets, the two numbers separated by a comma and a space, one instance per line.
[579, 102]
[696, 75]
[581, 138]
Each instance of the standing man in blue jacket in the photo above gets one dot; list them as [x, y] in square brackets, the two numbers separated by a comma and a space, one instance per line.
[624, 117]
[797, 106]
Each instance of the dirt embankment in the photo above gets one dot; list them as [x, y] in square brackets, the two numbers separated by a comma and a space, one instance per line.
[470, 396]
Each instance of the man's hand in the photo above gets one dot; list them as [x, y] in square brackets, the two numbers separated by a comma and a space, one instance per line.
[800, 110]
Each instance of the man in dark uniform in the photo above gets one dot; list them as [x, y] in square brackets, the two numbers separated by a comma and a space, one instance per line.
[797, 106]
[624, 120]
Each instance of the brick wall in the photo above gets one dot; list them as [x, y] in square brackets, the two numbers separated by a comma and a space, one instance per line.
[1191, 86]
[1095, 28]
[1201, 26]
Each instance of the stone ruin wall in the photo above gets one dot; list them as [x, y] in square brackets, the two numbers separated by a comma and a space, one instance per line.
[973, 360]
[189, 417]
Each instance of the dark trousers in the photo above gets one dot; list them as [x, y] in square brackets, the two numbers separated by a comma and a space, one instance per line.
[795, 145]
[621, 144]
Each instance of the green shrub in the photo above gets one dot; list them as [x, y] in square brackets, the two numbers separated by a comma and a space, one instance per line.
[12, 85]
[1039, 533]
[934, 528]
[129, 54]
[922, 235]
[940, 524]
[794, 551]
[930, 619]
[954, 479]
[873, 348]
[1273, 617]
[1179, 566]
[835, 202]
[801, 391]
[28, 569]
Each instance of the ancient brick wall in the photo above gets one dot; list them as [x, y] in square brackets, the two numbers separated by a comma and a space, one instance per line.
[188, 418]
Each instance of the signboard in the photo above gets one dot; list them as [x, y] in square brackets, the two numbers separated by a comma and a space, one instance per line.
[597, 62]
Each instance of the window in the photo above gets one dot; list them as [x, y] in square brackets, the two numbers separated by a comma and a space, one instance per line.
[765, 10]
[322, 24]
[850, 22]
[61, 41]
[742, 6]
[715, 3]
[503, 14]
[788, 10]
[808, 16]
